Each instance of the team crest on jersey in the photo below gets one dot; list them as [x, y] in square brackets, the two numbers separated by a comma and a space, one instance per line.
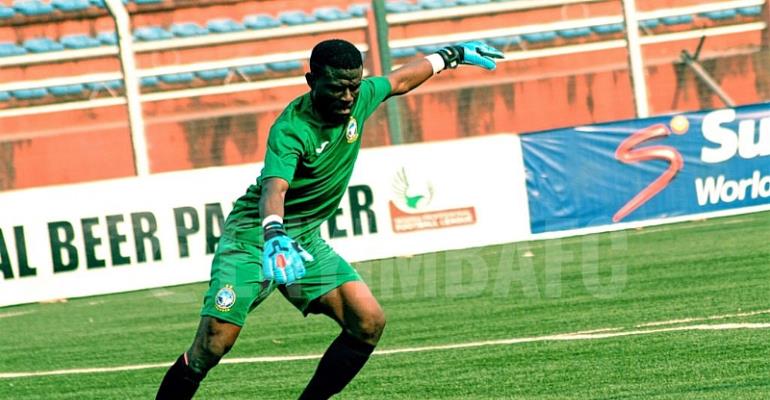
[351, 133]
[225, 298]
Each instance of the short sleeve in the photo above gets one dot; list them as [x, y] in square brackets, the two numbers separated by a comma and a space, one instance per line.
[284, 149]
[374, 91]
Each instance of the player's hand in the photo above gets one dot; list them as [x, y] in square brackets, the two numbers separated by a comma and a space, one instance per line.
[283, 259]
[475, 53]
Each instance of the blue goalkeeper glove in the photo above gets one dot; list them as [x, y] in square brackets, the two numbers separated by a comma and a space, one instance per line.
[283, 259]
[475, 53]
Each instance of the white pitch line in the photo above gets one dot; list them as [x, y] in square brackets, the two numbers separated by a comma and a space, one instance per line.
[14, 314]
[599, 334]
[574, 336]
[701, 319]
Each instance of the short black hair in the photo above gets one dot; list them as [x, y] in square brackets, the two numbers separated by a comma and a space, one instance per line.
[335, 53]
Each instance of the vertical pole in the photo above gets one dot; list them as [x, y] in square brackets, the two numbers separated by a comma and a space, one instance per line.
[131, 83]
[635, 61]
[372, 39]
[394, 114]
[766, 32]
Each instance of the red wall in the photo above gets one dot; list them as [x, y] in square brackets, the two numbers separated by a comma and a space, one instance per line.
[521, 96]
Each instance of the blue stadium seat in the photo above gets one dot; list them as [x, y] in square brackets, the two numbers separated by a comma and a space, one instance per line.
[29, 94]
[257, 69]
[677, 20]
[396, 7]
[430, 48]
[505, 41]
[436, 4]
[149, 81]
[296, 17]
[6, 12]
[608, 29]
[261, 21]
[720, 15]
[649, 23]
[181, 77]
[750, 11]
[100, 3]
[79, 41]
[139, 2]
[330, 14]
[5, 96]
[187, 29]
[42, 45]
[151, 33]
[71, 5]
[224, 25]
[67, 90]
[8, 49]
[402, 52]
[213, 74]
[574, 32]
[358, 10]
[32, 7]
[539, 37]
[103, 85]
[283, 66]
[108, 38]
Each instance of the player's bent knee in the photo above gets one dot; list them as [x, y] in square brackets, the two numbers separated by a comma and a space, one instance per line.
[213, 340]
[371, 325]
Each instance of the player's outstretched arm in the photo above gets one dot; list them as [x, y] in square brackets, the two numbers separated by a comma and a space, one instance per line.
[413, 74]
[283, 259]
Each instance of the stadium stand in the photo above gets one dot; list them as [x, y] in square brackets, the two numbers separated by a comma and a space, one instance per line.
[151, 33]
[261, 21]
[32, 7]
[6, 12]
[11, 49]
[67, 90]
[79, 41]
[236, 52]
[224, 25]
[71, 5]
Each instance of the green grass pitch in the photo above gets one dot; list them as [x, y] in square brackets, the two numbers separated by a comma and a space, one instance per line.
[678, 311]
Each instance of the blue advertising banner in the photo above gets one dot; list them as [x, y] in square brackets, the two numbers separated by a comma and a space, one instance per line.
[648, 168]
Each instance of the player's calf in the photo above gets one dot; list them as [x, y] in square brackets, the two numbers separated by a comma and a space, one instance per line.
[181, 381]
[212, 341]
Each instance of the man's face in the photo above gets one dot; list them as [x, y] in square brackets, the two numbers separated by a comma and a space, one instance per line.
[334, 91]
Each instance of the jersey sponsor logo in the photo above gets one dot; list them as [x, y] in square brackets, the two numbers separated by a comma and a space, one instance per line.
[351, 132]
[411, 209]
[225, 298]
[321, 149]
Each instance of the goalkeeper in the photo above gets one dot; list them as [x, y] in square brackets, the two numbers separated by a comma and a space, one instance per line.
[272, 239]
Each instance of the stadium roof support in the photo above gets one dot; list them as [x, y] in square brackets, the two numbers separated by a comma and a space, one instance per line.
[131, 83]
[635, 60]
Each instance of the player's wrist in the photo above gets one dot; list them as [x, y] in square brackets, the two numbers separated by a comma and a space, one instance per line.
[437, 62]
[272, 226]
[451, 56]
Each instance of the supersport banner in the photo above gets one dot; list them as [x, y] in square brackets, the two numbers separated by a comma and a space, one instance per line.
[647, 169]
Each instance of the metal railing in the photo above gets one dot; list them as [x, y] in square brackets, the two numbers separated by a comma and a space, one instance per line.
[633, 42]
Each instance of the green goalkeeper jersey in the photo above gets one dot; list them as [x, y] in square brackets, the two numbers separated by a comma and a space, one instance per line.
[316, 159]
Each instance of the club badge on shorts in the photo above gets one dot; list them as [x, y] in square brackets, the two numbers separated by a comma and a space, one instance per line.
[225, 298]
[351, 132]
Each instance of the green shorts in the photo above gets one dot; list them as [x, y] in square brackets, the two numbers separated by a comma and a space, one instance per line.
[237, 285]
